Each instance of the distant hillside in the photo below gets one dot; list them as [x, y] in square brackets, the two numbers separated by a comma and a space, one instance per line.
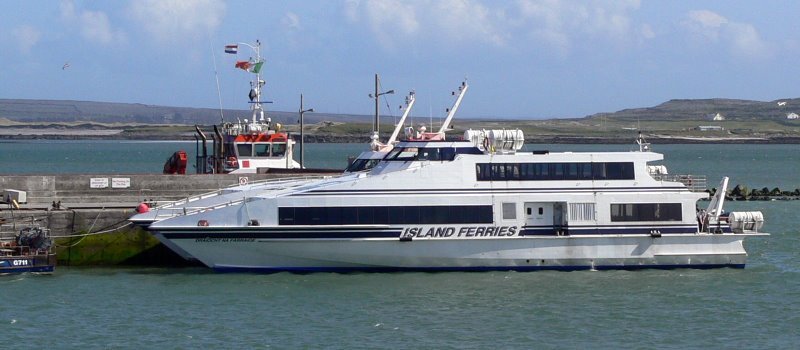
[699, 109]
[58, 111]
[44, 111]
[677, 121]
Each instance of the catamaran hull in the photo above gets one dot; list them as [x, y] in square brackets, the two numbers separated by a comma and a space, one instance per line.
[523, 253]
[174, 247]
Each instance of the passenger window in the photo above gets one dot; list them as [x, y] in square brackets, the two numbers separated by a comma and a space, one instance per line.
[529, 211]
[541, 211]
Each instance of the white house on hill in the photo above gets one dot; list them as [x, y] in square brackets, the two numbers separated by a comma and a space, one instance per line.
[792, 116]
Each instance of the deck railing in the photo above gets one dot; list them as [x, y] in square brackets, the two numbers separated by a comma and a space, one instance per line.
[695, 183]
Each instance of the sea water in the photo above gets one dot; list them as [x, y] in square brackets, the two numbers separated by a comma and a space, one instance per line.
[180, 308]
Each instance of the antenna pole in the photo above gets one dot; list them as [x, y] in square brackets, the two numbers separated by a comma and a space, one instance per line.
[302, 138]
[302, 135]
[376, 126]
[216, 77]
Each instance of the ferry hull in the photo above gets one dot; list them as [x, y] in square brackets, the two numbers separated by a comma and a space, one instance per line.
[523, 253]
[174, 247]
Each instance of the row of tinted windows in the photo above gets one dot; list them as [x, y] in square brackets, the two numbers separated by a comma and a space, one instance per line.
[419, 153]
[453, 214]
[554, 171]
[646, 212]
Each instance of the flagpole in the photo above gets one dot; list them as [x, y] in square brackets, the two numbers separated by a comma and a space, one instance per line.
[257, 108]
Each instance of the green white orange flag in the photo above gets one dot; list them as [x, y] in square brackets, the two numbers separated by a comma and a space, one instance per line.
[256, 67]
[245, 65]
[250, 66]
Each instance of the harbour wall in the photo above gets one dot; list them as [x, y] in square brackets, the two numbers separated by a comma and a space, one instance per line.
[89, 217]
[120, 190]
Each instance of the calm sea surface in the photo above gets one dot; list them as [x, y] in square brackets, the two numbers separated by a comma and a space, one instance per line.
[89, 308]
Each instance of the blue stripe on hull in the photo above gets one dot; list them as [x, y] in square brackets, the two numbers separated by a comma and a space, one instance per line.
[609, 231]
[49, 268]
[327, 233]
[233, 269]
[309, 234]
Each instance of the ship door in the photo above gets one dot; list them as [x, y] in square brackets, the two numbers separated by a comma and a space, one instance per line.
[559, 219]
[539, 217]
[546, 218]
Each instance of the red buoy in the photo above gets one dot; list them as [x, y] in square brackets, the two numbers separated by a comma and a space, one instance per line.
[142, 208]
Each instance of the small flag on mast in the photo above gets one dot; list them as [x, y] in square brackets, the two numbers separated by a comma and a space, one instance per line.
[250, 66]
[245, 65]
[256, 67]
[232, 48]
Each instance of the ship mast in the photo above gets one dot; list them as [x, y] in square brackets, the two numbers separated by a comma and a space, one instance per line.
[410, 99]
[376, 126]
[452, 112]
[255, 87]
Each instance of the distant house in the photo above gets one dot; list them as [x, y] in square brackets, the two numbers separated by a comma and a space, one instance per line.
[792, 116]
[716, 117]
[710, 128]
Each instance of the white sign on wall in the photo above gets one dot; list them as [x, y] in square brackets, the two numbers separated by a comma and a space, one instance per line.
[98, 182]
[120, 182]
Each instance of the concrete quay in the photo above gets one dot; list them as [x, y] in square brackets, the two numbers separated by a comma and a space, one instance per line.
[120, 190]
[103, 203]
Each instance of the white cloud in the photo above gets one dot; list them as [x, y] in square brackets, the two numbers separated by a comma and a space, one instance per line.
[561, 23]
[647, 32]
[26, 37]
[746, 41]
[741, 39]
[466, 20]
[291, 21]
[392, 21]
[94, 25]
[351, 10]
[705, 23]
[171, 21]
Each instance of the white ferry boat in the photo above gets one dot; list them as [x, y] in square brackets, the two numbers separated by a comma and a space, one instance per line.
[474, 205]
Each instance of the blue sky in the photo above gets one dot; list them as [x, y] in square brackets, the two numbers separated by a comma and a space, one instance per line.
[523, 59]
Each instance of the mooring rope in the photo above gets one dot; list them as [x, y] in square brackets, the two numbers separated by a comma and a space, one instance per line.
[93, 233]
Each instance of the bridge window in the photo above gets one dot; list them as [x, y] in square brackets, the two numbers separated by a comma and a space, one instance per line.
[278, 149]
[262, 149]
[429, 153]
[244, 149]
[403, 154]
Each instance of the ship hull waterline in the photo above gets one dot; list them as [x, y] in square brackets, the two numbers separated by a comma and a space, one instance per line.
[595, 252]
